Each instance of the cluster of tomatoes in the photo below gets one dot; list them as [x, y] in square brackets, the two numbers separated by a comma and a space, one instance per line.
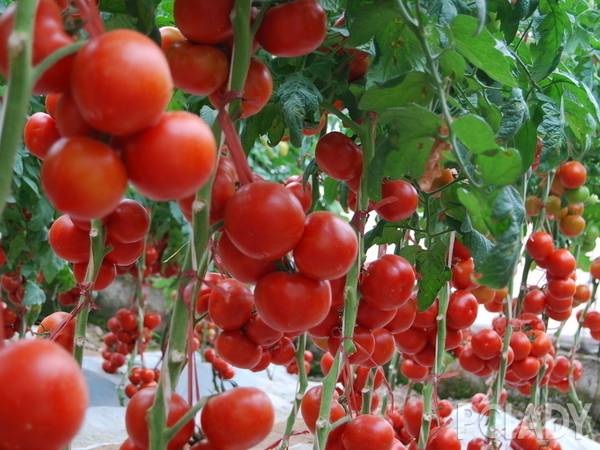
[591, 321]
[124, 333]
[526, 437]
[140, 378]
[12, 284]
[480, 402]
[219, 365]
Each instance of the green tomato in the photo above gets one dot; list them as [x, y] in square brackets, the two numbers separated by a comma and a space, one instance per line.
[588, 246]
[578, 195]
[592, 233]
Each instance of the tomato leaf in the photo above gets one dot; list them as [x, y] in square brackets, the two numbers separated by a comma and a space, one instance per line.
[500, 166]
[34, 295]
[431, 266]
[474, 133]
[514, 113]
[414, 88]
[551, 33]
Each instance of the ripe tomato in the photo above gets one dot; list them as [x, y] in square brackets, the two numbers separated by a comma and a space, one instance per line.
[541, 344]
[248, 412]
[136, 418]
[48, 36]
[106, 274]
[560, 263]
[338, 156]
[582, 293]
[302, 191]
[172, 159]
[413, 415]
[152, 320]
[425, 357]
[572, 225]
[68, 241]
[52, 322]
[411, 341]
[291, 302]
[427, 319]
[83, 178]
[47, 394]
[283, 352]
[404, 317]
[592, 320]
[311, 402]
[332, 321]
[293, 29]
[239, 351]
[50, 103]
[572, 174]
[328, 247]
[364, 341]
[540, 245]
[459, 251]
[257, 90]
[486, 343]
[462, 274]
[371, 317]
[520, 344]
[405, 201]
[69, 120]
[197, 69]
[128, 223]
[384, 348]
[413, 370]
[126, 100]
[240, 266]
[595, 268]
[388, 282]
[526, 368]
[462, 310]
[124, 254]
[470, 361]
[444, 438]
[264, 220]
[204, 21]
[534, 301]
[260, 333]
[230, 304]
[40, 134]
[368, 431]
[562, 287]
[168, 36]
[128, 443]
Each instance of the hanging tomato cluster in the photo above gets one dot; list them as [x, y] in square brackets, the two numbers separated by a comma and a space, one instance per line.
[140, 378]
[525, 437]
[591, 321]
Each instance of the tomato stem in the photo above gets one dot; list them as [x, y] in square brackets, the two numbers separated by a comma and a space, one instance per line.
[323, 425]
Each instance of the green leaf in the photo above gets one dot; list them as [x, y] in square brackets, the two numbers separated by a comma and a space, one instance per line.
[414, 88]
[514, 113]
[298, 98]
[145, 11]
[366, 18]
[474, 133]
[483, 50]
[431, 266]
[551, 36]
[551, 131]
[525, 142]
[501, 166]
[34, 295]
[452, 64]
[476, 206]
[412, 121]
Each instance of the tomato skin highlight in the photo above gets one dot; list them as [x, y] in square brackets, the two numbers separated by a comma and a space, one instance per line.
[172, 159]
[40, 373]
[264, 220]
[293, 29]
[83, 178]
[204, 21]
[238, 419]
[40, 134]
[121, 82]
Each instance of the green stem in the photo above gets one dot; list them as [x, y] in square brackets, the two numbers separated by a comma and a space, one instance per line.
[302, 385]
[323, 425]
[18, 91]
[172, 431]
[367, 392]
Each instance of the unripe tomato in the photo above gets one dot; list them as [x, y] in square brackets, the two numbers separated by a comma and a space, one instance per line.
[83, 178]
[40, 134]
[204, 21]
[338, 156]
[42, 374]
[405, 201]
[136, 418]
[572, 174]
[328, 247]
[240, 266]
[172, 159]
[197, 69]
[239, 351]
[116, 92]
[249, 413]
[533, 205]
[388, 282]
[68, 241]
[293, 29]
[579, 195]
[264, 220]
[572, 225]
[69, 120]
[48, 36]
[553, 205]
[106, 274]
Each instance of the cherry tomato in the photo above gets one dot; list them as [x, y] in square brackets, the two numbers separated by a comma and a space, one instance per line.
[595, 268]
[68, 241]
[572, 174]
[534, 301]
[560, 263]
[384, 348]
[427, 319]
[483, 294]
[230, 304]
[541, 344]
[328, 247]
[127, 100]
[444, 438]
[128, 223]
[124, 254]
[526, 368]
[283, 352]
[411, 341]
[242, 267]
[172, 159]
[562, 287]
[470, 361]
[52, 322]
[204, 21]
[83, 178]
[405, 200]
[333, 320]
[40, 134]
[364, 341]
[368, 431]
[582, 293]
[520, 344]
[388, 282]
[462, 274]
[239, 351]
[51, 102]
[486, 343]
[592, 320]
[302, 191]
[293, 29]
[462, 310]
[540, 245]
[40, 373]
[338, 156]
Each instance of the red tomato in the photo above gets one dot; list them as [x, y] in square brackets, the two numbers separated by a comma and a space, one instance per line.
[128, 443]
[411, 341]
[540, 245]
[572, 225]
[136, 418]
[483, 294]
[462, 310]
[405, 201]
[240, 266]
[425, 357]
[364, 341]
[388, 282]
[172, 159]
[459, 251]
[595, 268]
[248, 412]
[444, 438]
[372, 317]
[368, 431]
[427, 319]
[127, 100]
[520, 344]
[69, 120]
[47, 393]
[83, 178]
[338, 156]
[68, 241]
[197, 69]
[124, 254]
[486, 344]
[239, 351]
[291, 302]
[384, 348]
[293, 29]
[541, 344]
[302, 191]
[572, 174]
[51, 102]
[264, 220]
[257, 90]
[311, 402]
[230, 304]
[168, 36]
[404, 317]
[40, 134]
[106, 274]
[49, 36]
[470, 361]
[534, 301]
[328, 247]
[582, 293]
[332, 321]
[526, 368]
[52, 322]
[592, 320]
[283, 352]
[413, 415]
[260, 333]
[462, 274]
[444, 408]
[204, 21]
[152, 320]
[128, 223]
[560, 263]
[562, 287]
